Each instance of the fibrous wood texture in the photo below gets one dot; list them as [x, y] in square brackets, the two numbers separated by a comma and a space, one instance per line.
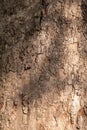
[43, 65]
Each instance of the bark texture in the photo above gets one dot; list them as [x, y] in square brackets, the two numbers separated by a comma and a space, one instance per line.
[43, 65]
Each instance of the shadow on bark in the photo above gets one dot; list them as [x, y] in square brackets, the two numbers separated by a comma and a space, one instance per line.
[83, 46]
[17, 26]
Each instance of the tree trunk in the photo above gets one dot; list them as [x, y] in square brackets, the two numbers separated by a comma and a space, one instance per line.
[43, 65]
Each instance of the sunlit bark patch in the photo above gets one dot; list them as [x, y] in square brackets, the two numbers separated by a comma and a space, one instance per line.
[44, 69]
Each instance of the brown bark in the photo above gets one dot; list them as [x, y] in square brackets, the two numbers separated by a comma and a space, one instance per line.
[43, 65]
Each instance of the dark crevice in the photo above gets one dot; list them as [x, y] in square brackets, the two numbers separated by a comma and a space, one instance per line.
[84, 10]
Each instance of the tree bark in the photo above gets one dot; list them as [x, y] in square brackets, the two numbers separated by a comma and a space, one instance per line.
[43, 65]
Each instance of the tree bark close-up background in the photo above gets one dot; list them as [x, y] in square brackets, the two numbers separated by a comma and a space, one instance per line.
[43, 65]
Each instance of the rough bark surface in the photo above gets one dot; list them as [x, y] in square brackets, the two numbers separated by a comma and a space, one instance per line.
[43, 65]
